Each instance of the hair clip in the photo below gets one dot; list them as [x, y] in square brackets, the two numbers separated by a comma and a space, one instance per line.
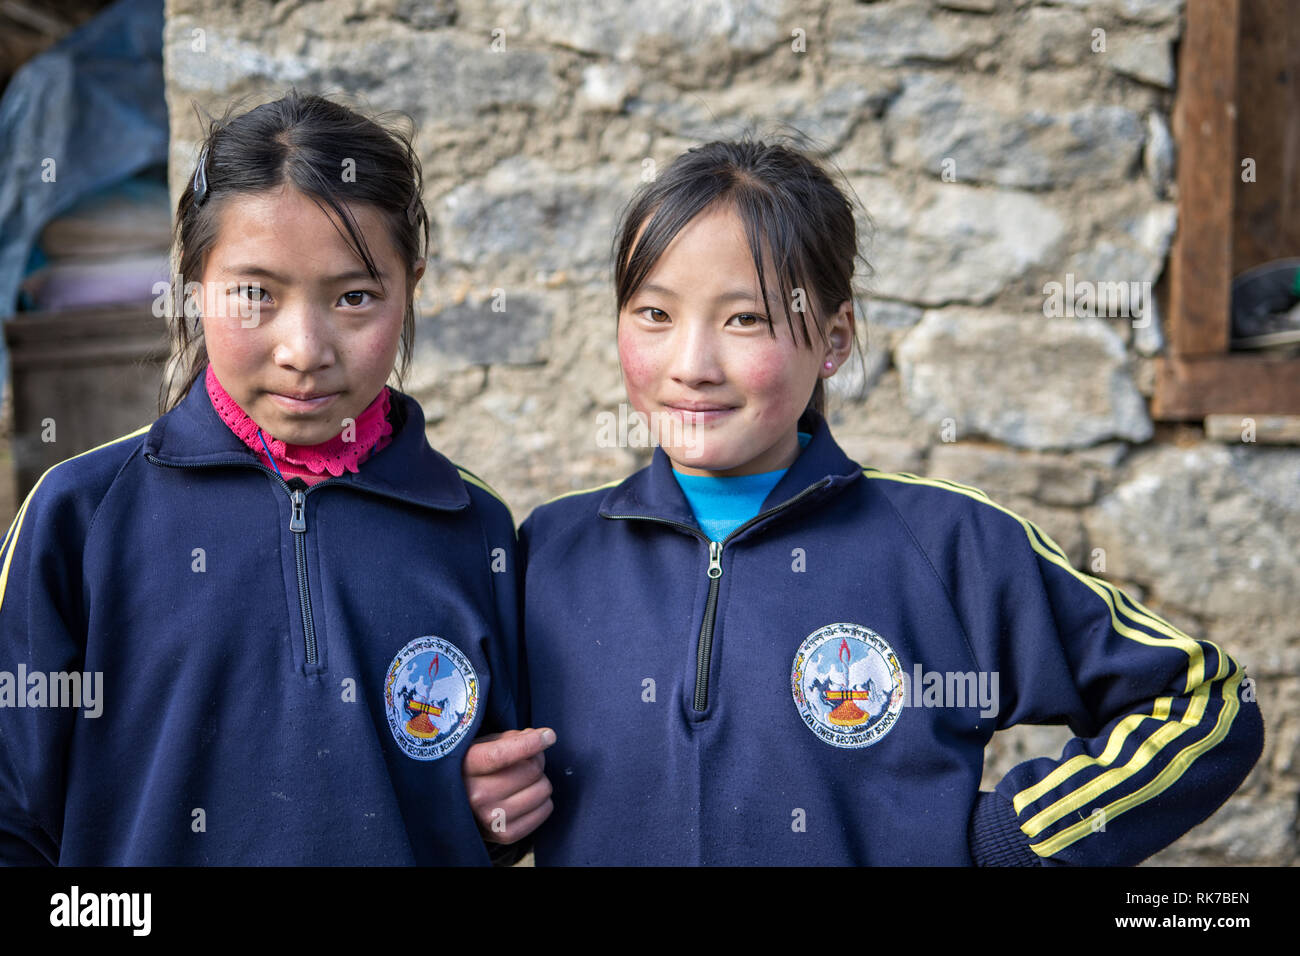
[201, 179]
[413, 210]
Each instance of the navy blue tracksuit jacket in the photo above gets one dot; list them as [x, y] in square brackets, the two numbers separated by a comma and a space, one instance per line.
[288, 675]
[820, 689]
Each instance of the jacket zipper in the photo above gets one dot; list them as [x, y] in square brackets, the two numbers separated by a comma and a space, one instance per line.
[704, 643]
[704, 646]
[298, 525]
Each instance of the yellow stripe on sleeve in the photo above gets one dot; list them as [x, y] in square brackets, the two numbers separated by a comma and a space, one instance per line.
[1102, 589]
[1114, 746]
[1163, 781]
[1166, 734]
[480, 483]
[1117, 605]
[583, 491]
[11, 539]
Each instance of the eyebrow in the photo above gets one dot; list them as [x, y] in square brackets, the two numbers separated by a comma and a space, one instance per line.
[252, 270]
[732, 295]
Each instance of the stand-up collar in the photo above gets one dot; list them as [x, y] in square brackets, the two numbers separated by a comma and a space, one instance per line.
[653, 492]
[193, 434]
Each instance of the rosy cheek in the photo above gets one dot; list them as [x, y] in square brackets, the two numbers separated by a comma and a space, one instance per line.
[382, 339]
[638, 363]
[233, 350]
[223, 342]
[773, 376]
[766, 371]
[635, 367]
[220, 318]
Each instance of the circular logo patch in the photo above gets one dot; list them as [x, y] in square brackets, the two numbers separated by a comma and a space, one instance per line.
[847, 685]
[431, 695]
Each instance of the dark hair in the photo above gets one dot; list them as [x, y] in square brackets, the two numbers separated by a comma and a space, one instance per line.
[306, 141]
[794, 215]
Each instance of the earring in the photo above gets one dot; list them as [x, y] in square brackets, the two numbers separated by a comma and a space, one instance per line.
[830, 364]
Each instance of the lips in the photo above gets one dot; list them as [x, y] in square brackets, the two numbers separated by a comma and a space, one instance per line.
[302, 401]
[306, 396]
[686, 406]
[698, 413]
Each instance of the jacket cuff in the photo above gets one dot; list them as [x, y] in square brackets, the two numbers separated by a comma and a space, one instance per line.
[994, 835]
[508, 854]
[504, 854]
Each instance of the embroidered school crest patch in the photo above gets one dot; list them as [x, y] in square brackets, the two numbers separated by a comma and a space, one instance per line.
[847, 685]
[431, 695]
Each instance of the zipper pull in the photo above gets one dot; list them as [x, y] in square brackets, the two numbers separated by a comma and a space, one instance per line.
[298, 521]
[715, 559]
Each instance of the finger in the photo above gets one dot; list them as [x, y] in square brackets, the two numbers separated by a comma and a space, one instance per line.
[503, 817]
[537, 760]
[489, 756]
[525, 825]
[485, 791]
[516, 828]
[525, 801]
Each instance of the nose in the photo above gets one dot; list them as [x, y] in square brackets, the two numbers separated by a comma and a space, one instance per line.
[305, 338]
[695, 356]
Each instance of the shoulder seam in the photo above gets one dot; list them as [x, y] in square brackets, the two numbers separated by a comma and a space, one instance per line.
[15, 528]
[943, 584]
[907, 477]
[1050, 551]
[45, 474]
[584, 491]
[94, 517]
[473, 479]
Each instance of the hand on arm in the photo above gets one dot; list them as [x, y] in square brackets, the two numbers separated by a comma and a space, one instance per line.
[506, 784]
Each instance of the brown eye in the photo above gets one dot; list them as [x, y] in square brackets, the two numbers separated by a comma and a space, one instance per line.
[749, 320]
[355, 298]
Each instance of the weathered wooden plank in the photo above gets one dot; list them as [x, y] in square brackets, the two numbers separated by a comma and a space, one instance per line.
[1208, 175]
[1267, 213]
[1189, 389]
[1265, 429]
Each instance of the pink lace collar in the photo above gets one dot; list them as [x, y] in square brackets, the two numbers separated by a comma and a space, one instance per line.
[372, 432]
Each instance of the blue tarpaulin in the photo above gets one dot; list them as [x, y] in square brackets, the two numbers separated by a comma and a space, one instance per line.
[85, 114]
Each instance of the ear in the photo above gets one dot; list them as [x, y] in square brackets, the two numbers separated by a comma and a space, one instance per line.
[417, 273]
[839, 338]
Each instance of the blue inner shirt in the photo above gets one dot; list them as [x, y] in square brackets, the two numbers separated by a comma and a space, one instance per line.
[721, 505]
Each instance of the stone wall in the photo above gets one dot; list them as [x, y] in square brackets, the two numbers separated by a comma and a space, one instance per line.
[998, 146]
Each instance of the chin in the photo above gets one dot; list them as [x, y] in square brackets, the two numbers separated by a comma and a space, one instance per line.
[313, 437]
[298, 433]
[706, 461]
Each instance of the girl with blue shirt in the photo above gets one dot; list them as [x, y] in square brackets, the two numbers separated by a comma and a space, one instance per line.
[757, 651]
